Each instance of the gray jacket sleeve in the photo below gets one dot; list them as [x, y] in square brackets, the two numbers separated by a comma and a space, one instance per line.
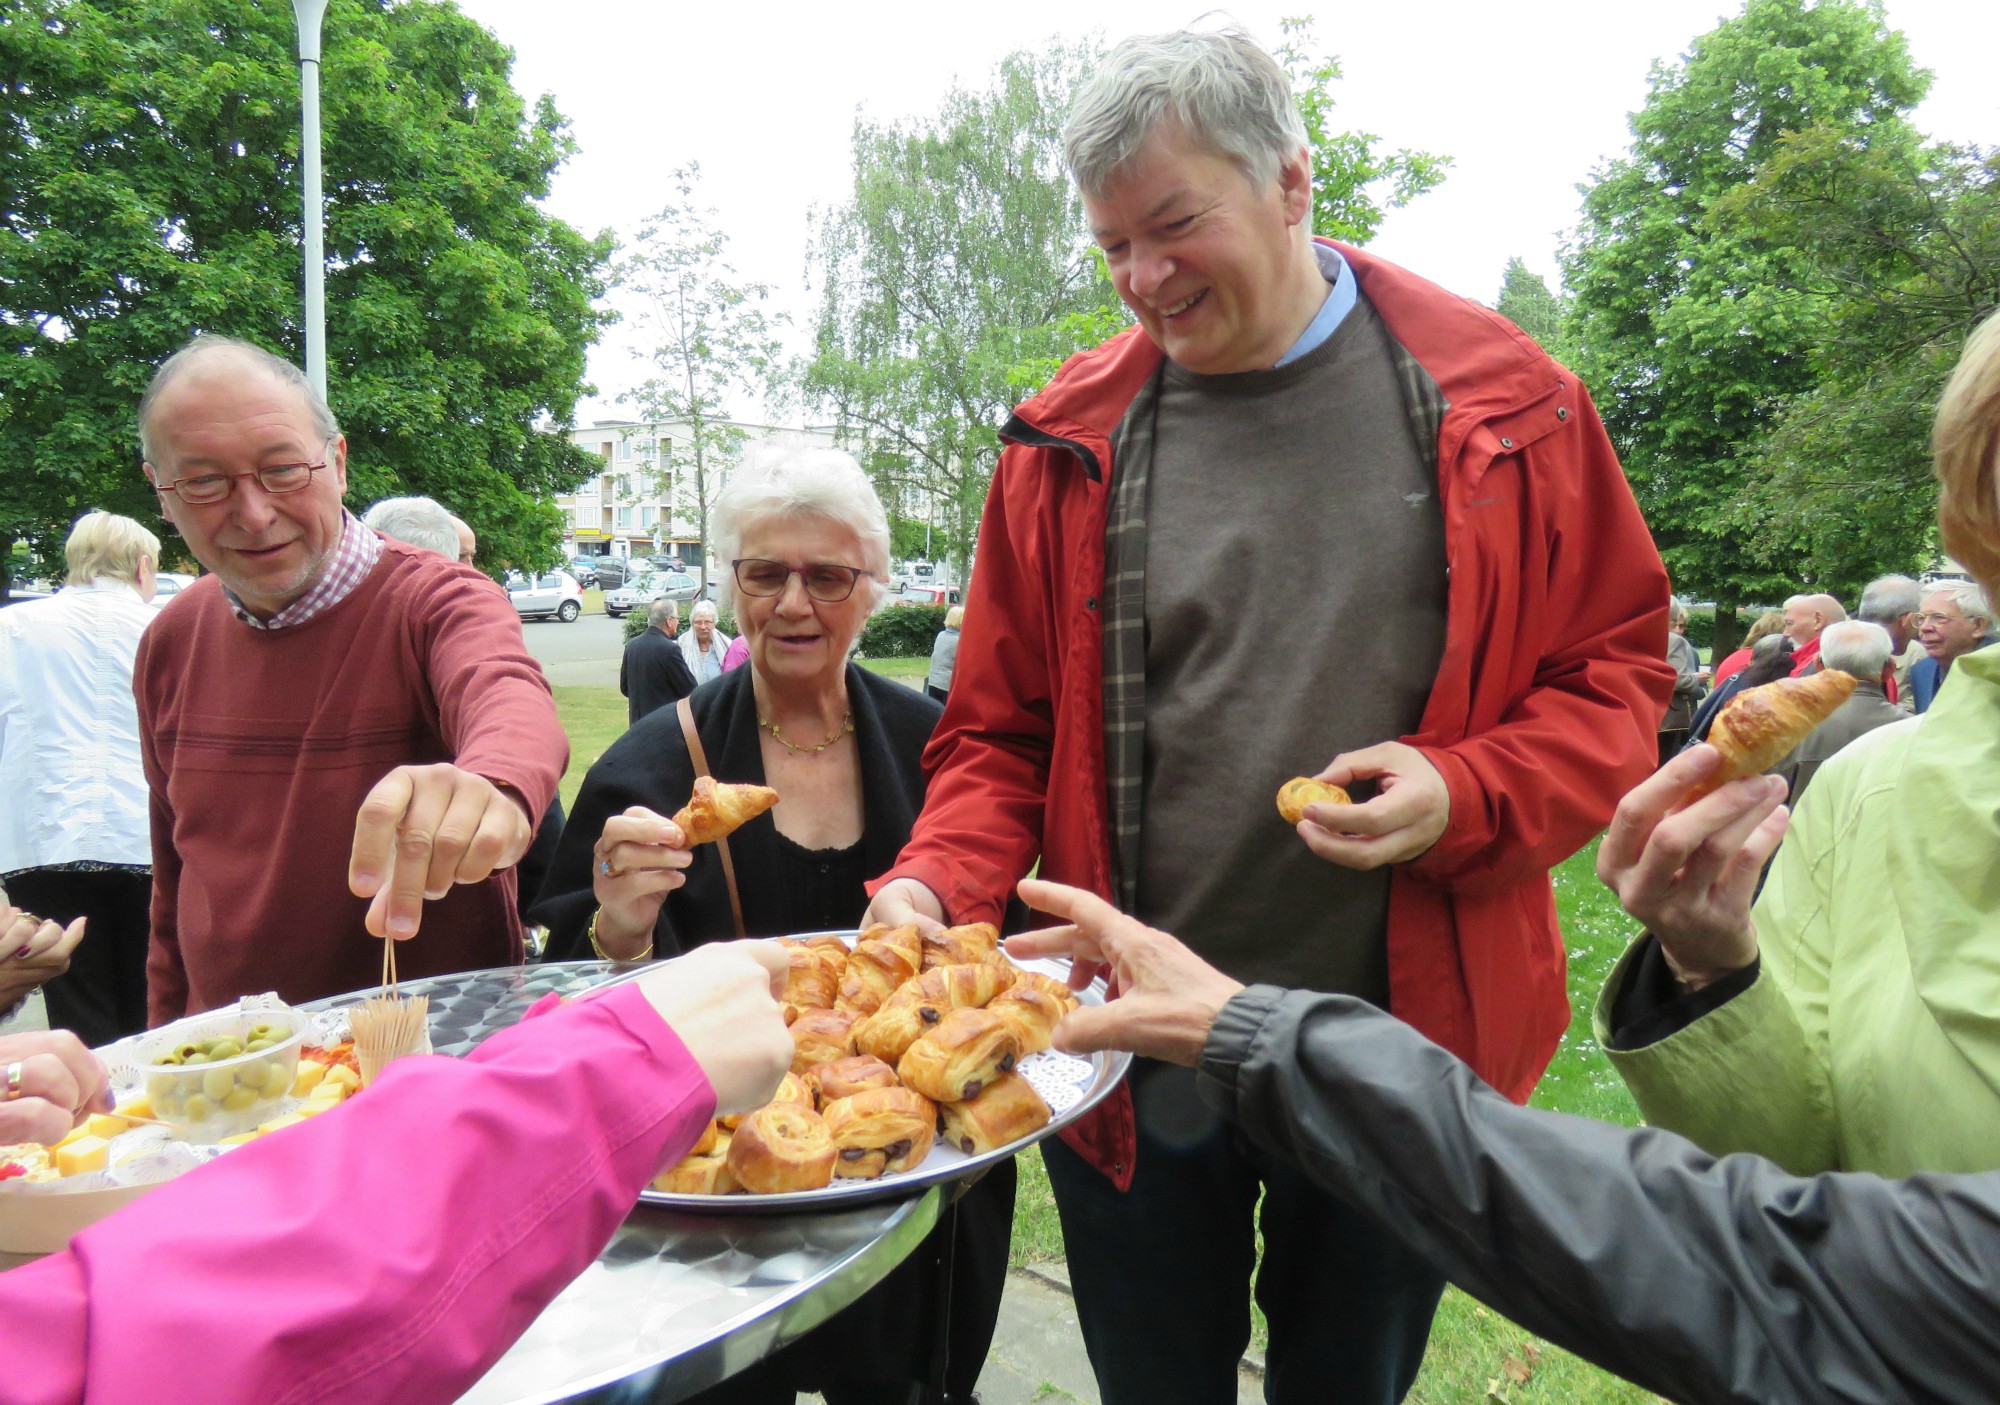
[1700, 1279]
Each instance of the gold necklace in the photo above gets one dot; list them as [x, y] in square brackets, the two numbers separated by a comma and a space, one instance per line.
[846, 726]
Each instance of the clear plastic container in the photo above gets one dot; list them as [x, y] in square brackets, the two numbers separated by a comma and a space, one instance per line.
[207, 1098]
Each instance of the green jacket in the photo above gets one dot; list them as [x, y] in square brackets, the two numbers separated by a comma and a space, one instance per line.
[1870, 1040]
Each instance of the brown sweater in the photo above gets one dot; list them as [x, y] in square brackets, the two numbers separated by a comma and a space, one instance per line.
[259, 748]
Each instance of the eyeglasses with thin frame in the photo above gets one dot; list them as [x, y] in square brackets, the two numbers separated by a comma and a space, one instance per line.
[204, 489]
[1935, 618]
[825, 581]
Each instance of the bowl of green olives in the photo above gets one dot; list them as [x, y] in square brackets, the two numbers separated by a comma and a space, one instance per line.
[222, 1073]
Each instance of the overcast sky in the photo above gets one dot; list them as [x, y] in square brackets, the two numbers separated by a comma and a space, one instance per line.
[1526, 99]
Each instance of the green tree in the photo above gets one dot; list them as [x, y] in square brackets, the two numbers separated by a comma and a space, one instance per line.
[150, 182]
[951, 283]
[1690, 331]
[1525, 300]
[708, 340]
[1899, 258]
[1355, 182]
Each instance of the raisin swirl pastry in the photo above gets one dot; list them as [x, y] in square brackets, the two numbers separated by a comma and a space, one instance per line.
[1006, 1111]
[699, 1174]
[820, 1037]
[966, 1051]
[881, 1130]
[791, 1089]
[843, 1078]
[782, 1147]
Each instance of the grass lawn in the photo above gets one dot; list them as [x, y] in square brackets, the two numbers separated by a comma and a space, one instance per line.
[1476, 1356]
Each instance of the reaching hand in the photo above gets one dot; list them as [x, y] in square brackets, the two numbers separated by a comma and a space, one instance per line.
[721, 1001]
[33, 952]
[47, 1078]
[1690, 875]
[1168, 997]
[424, 828]
[904, 902]
[1411, 809]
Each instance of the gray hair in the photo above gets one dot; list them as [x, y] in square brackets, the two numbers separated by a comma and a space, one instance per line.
[701, 607]
[277, 367]
[418, 522]
[1887, 599]
[1677, 610]
[1857, 647]
[1219, 86]
[103, 544]
[662, 610]
[822, 483]
[1967, 595]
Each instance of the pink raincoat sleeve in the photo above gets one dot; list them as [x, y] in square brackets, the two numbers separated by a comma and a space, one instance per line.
[389, 1250]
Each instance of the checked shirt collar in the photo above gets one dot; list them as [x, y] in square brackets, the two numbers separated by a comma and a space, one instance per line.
[360, 548]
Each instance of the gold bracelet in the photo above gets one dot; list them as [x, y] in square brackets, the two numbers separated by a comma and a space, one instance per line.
[603, 955]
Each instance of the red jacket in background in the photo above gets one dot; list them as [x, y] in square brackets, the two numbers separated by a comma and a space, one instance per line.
[1545, 709]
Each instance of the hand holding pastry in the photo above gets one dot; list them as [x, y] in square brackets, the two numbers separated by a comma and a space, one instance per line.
[1168, 997]
[1689, 873]
[718, 809]
[1410, 811]
[1300, 791]
[639, 858]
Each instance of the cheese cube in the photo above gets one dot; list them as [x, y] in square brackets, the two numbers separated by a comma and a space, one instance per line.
[105, 1125]
[309, 1077]
[313, 1107]
[141, 1106]
[276, 1124]
[86, 1153]
[76, 1135]
[344, 1076]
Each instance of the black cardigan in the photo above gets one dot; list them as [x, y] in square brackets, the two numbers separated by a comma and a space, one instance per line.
[649, 766]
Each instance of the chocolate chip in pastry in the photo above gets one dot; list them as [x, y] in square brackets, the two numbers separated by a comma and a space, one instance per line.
[1300, 791]
[718, 808]
[780, 1148]
[966, 1051]
[1007, 1110]
[821, 1036]
[843, 1078]
[880, 1131]
[1758, 727]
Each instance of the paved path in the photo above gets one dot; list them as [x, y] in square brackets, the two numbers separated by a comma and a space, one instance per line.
[584, 651]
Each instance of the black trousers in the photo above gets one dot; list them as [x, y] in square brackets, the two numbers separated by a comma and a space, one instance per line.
[1163, 1272]
[102, 996]
[880, 1349]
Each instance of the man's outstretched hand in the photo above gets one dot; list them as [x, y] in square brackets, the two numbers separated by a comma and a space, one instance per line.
[1168, 997]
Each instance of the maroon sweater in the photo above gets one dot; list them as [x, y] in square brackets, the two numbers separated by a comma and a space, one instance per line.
[259, 748]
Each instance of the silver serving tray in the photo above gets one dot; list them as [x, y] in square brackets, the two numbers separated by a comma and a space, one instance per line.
[945, 1163]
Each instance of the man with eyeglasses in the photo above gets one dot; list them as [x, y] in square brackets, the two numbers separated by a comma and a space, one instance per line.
[1955, 620]
[344, 736]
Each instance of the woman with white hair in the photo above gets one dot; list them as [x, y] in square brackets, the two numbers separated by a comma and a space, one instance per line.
[805, 547]
[74, 836]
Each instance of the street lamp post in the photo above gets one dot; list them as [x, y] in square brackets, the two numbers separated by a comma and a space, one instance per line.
[309, 14]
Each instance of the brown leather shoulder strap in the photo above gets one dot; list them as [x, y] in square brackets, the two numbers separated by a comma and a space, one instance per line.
[700, 759]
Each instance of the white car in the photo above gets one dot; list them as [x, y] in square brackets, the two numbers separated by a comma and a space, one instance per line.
[642, 591]
[167, 585]
[551, 593]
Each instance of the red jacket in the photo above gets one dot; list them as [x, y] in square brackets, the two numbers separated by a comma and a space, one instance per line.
[1545, 709]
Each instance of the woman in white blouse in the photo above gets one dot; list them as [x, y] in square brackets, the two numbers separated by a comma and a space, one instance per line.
[73, 808]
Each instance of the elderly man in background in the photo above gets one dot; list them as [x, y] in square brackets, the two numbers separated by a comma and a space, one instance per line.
[468, 542]
[1132, 700]
[653, 672]
[1861, 649]
[324, 692]
[1806, 616]
[1955, 620]
[704, 646]
[73, 835]
[1893, 602]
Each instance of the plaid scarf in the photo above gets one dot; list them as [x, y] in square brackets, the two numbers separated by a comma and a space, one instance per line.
[345, 569]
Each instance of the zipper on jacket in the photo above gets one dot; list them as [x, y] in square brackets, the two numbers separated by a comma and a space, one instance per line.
[1019, 431]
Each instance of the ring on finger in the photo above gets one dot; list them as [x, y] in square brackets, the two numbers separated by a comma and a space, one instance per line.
[12, 1083]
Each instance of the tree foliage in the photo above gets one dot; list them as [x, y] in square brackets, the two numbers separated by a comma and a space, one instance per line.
[1355, 182]
[1525, 300]
[708, 338]
[149, 190]
[1690, 328]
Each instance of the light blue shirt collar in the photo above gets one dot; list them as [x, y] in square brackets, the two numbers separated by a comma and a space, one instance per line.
[1339, 302]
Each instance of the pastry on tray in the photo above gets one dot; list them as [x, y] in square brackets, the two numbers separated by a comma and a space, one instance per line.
[822, 1036]
[843, 1078]
[782, 1147]
[881, 1130]
[1006, 1110]
[966, 1051]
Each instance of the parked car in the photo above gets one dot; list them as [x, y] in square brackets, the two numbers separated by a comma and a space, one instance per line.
[167, 585]
[551, 593]
[666, 563]
[614, 571]
[643, 590]
[927, 595]
[584, 568]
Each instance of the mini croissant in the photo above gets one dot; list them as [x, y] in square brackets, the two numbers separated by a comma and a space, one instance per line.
[718, 809]
[1760, 726]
